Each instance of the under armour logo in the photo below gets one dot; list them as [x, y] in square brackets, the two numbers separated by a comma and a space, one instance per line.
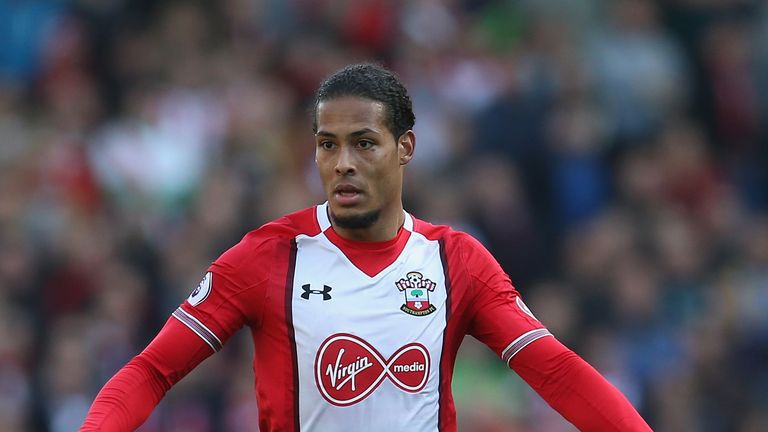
[307, 292]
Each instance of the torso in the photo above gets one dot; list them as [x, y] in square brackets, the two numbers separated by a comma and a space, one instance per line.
[353, 336]
[368, 345]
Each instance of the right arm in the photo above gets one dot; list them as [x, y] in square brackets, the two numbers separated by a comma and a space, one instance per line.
[230, 296]
[129, 397]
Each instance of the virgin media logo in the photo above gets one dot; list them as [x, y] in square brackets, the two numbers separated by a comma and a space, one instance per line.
[348, 369]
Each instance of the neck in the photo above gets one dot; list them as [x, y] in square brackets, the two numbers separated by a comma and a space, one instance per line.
[385, 228]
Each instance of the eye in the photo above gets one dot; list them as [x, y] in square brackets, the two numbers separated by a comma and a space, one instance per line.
[326, 145]
[365, 144]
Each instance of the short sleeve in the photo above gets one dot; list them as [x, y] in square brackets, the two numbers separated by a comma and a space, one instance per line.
[231, 293]
[500, 318]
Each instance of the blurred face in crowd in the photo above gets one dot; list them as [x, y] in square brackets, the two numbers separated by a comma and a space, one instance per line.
[361, 165]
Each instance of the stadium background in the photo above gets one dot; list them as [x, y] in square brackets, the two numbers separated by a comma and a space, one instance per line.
[612, 154]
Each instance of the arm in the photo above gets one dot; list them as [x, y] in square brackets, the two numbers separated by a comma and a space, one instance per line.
[229, 296]
[575, 389]
[572, 387]
[129, 397]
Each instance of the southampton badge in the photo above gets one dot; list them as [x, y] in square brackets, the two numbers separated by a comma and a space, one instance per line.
[416, 289]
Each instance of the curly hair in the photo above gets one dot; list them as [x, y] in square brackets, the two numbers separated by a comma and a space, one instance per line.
[370, 81]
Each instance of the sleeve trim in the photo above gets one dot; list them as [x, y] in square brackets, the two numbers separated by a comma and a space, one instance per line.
[521, 342]
[198, 328]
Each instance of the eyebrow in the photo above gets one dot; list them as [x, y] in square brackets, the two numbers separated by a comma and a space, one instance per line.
[354, 134]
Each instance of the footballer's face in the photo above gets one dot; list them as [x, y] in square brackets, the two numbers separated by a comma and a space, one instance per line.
[361, 166]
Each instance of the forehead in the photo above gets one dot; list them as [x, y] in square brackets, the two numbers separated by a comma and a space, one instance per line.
[350, 113]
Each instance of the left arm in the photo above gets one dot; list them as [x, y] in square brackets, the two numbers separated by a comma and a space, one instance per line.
[570, 385]
[574, 388]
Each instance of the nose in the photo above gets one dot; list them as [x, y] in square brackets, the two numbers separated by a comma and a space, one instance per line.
[345, 162]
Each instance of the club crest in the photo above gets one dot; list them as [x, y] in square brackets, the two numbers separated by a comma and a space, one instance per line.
[416, 289]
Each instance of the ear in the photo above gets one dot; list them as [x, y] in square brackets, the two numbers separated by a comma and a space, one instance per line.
[406, 145]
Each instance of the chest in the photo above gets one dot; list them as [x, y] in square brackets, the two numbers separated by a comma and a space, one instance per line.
[353, 331]
[399, 304]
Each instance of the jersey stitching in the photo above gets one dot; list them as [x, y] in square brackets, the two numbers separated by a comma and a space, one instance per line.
[448, 303]
[289, 282]
[229, 298]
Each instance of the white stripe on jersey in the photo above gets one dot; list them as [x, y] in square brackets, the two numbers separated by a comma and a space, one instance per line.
[199, 328]
[522, 342]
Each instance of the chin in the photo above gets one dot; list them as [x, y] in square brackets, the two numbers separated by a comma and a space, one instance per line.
[354, 219]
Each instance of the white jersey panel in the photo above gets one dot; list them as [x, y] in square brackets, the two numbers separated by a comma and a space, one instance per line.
[369, 348]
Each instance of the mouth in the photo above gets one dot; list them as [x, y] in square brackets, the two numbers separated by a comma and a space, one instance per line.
[347, 194]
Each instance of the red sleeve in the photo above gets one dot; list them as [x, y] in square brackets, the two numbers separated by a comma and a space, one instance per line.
[501, 320]
[129, 397]
[231, 294]
[575, 389]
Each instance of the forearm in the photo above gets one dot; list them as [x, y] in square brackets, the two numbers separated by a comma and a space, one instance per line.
[575, 389]
[129, 397]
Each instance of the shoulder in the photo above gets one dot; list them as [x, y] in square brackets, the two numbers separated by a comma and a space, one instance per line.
[462, 250]
[452, 239]
[274, 234]
[288, 227]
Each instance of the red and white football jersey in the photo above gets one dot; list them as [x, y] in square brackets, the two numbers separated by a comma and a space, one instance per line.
[354, 335]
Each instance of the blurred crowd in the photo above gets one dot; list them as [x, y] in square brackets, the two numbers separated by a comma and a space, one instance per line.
[613, 155]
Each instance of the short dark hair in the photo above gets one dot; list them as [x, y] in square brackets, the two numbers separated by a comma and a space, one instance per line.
[370, 81]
